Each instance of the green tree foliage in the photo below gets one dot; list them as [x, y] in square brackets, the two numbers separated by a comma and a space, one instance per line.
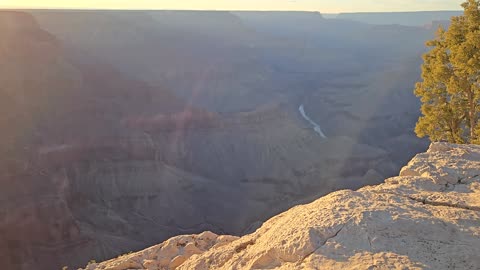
[450, 87]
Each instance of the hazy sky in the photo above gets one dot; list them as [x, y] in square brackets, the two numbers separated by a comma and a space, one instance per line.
[326, 6]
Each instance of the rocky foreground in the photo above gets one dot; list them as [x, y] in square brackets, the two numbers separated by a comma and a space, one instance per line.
[426, 218]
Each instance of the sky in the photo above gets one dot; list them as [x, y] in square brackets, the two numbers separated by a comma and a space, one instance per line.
[325, 6]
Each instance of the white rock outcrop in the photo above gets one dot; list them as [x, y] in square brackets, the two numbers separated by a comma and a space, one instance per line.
[168, 255]
[426, 218]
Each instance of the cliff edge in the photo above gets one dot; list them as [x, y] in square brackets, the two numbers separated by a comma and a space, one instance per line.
[426, 218]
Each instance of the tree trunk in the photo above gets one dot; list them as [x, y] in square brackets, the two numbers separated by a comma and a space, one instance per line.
[472, 115]
[454, 131]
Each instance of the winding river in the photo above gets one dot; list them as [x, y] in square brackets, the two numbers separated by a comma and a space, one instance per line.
[316, 126]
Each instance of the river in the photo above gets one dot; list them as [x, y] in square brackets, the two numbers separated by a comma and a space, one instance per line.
[316, 127]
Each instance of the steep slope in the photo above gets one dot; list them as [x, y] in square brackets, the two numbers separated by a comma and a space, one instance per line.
[426, 218]
[35, 221]
[54, 111]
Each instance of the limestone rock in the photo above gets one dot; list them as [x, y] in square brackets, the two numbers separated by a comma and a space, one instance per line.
[168, 255]
[427, 218]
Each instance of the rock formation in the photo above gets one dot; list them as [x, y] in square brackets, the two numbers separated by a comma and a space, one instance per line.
[168, 255]
[426, 218]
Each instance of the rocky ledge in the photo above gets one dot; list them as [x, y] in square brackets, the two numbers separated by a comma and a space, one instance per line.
[426, 218]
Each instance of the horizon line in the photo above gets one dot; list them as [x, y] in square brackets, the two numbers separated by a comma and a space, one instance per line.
[215, 10]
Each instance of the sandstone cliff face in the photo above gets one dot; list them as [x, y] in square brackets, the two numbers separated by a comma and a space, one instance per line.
[426, 218]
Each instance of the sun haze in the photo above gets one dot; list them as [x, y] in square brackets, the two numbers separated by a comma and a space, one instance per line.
[327, 6]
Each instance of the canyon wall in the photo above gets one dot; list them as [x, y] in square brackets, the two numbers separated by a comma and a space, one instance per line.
[426, 218]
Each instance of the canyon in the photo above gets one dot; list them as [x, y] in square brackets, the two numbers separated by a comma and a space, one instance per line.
[121, 129]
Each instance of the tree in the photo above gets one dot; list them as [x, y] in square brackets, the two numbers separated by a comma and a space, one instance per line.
[442, 113]
[450, 87]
